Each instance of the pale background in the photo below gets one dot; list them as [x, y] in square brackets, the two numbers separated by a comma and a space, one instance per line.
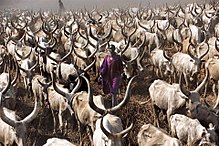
[89, 4]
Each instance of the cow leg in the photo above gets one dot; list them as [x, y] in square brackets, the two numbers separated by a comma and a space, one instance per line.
[160, 72]
[54, 121]
[70, 110]
[60, 121]
[189, 141]
[156, 115]
[80, 129]
[90, 133]
[186, 80]
[215, 94]
[153, 69]
[175, 77]
[41, 98]
[206, 88]
[139, 64]
[164, 115]
[214, 88]
[169, 113]
[114, 100]
[157, 72]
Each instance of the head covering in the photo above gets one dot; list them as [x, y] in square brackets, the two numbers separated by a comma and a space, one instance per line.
[112, 48]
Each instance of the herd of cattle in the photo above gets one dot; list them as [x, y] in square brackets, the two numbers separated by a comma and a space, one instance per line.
[54, 56]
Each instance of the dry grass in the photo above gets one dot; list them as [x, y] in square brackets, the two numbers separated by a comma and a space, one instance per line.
[134, 112]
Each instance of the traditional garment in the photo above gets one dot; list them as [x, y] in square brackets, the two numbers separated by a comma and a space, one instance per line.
[111, 71]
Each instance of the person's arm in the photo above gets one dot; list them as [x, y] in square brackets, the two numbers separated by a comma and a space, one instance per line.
[103, 67]
[116, 68]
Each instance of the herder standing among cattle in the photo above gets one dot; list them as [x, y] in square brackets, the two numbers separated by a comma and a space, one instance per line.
[111, 74]
[61, 7]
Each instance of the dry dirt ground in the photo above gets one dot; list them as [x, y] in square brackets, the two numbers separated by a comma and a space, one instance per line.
[134, 112]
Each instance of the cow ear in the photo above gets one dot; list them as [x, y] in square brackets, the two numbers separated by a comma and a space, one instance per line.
[203, 61]
[203, 134]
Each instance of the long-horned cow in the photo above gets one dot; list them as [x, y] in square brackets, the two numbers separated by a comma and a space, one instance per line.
[187, 64]
[164, 67]
[172, 97]
[14, 129]
[109, 130]
[85, 116]
[57, 102]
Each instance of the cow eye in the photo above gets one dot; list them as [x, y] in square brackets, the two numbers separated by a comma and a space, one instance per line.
[191, 60]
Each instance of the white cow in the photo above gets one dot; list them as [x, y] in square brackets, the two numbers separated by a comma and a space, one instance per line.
[188, 130]
[172, 97]
[14, 129]
[109, 130]
[58, 142]
[150, 135]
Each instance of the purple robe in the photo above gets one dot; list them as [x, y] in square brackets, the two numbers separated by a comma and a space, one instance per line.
[111, 71]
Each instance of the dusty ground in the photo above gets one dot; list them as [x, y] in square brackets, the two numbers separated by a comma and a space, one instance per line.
[134, 112]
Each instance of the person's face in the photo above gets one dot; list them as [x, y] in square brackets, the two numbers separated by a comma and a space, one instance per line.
[110, 51]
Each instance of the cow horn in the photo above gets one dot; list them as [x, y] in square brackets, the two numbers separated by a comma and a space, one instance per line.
[34, 113]
[78, 85]
[184, 91]
[55, 86]
[90, 65]
[142, 45]
[165, 55]
[91, 102]
[45, 85]
[63, 58]
[176, 41]
[16, 75]
[200, 86]
[35, 65]
[67, 95]
[114, 135]
[59, 74]
[26, 120]
[126, 47]
[216, 47]
[23, 57]
[4, 117]
[91, 34]
[164, 28]
[125, 100]
[8, 84]
[205, 51]
[189, 52]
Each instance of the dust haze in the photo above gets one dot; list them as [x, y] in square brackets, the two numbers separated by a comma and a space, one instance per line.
[89, 4]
